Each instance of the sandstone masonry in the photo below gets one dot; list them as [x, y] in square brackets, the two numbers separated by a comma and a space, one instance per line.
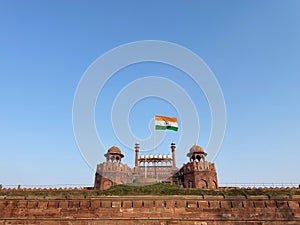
[201, 210]
[198, 173]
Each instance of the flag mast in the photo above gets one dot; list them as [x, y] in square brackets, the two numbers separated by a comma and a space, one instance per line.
[154, 147]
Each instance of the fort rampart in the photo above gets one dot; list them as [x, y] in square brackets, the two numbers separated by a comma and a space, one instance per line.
[147, 209]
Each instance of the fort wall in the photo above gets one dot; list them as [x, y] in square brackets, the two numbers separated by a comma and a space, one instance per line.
[204, 210]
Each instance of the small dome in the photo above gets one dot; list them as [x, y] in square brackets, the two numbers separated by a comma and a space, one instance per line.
[196, 148]
[114, 154]
[114, 149]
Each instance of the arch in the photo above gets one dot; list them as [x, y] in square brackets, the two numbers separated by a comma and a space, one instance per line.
[203, 183]
[215, 184]
[107, 184]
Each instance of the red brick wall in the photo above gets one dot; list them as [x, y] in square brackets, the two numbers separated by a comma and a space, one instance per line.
[207, 210]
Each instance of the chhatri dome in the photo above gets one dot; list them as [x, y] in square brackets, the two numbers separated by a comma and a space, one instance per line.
[114, 154]
[196, 153]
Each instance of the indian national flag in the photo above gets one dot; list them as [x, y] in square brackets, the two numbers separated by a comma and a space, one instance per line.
[166, 123]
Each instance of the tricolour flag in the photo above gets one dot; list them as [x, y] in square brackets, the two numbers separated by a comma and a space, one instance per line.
[166, 123]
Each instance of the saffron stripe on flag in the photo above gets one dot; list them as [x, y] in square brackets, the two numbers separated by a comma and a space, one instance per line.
[164, 118]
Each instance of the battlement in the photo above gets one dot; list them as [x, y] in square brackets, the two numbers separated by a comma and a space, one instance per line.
[111, 167]
[197, 166]
[152, 209]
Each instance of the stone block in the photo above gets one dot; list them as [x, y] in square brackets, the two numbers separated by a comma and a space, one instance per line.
[52, 204]
[203, 204]
[179, 204]
[73, 204]
[234, 198]
[116, 204]
[170, 204]
[258, 197]
[271, 204]
[296, 197]
[294, 204]
[106, 204]
[127, 204]
[280, 197]
[282, 204]
[42, 204]
[149, 203]
[259, 204]
[137, 204]
[32, 204]
[95, 204]
[191, 204]
[22, 204]
[53, 213]
[248, 204]
[63, 204]
[11, 204]
[214, 204]
[160, 204]
[237, 204]
[2, 204]
[85, 204]
[211, 197]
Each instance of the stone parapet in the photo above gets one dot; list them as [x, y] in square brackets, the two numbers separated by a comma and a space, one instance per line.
[178, 209]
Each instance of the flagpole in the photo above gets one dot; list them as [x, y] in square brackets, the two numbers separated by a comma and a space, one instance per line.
[154, 148]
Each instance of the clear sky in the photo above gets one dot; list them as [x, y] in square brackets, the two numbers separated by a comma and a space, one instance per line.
[252, 47]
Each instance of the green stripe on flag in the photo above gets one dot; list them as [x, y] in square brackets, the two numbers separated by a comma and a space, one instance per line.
[159, 127]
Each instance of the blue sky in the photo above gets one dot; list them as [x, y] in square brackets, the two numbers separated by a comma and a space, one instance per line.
[253, 48]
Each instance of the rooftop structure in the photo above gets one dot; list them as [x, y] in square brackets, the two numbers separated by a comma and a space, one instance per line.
[197, 173]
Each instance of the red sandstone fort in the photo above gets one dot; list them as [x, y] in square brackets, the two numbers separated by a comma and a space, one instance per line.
[197, 173]
[90, 207]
